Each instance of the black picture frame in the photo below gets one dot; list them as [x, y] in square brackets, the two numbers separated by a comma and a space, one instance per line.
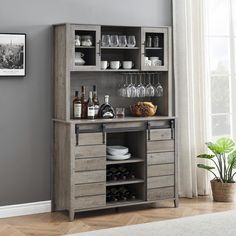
[12, 54]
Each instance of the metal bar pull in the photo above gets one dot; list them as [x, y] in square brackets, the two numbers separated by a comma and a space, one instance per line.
[103, 134]
[149, 132]
[99, 47]
[172, 129]
[76, 135]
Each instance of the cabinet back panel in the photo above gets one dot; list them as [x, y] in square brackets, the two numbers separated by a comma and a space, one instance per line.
[109, 83]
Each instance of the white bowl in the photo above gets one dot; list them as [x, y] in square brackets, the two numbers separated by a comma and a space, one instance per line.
[117, 150]
[118, 157]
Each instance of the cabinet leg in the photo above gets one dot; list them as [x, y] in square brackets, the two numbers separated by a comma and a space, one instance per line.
[71, 215]
[176, 203]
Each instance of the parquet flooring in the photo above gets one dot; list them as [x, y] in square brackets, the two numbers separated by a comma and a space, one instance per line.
[58, 224]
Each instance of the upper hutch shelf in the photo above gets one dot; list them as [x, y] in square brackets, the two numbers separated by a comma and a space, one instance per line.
[87, 47]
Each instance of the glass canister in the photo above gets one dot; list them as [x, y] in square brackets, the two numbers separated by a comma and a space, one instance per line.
[156, 41]
[87, 40]
[149, 42]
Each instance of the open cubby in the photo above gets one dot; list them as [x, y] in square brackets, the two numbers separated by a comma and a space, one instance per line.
[122, 30]
[109, 83]
[135, 141]
[138, 190]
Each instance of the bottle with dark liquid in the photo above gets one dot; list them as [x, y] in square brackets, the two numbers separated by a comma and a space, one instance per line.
[77, 107]
[90, 107]
[83, 104]
[95, 101]
[106, 111]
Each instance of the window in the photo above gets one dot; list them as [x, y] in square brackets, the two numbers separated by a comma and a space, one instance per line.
[221, 67]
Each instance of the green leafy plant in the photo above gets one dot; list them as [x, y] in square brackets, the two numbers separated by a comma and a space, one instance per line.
[223, 159]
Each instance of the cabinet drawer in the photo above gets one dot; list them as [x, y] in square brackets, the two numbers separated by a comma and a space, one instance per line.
[90, 189]
[162, 181]
[89, 202]
[90, 151]
[91, 138]
[160, 158]
[94, 163]
[161, 146]
[160, 193]
[159, 170]
[160, 134]
[90, 177]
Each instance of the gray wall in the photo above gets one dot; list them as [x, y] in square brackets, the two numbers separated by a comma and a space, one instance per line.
[25, 103]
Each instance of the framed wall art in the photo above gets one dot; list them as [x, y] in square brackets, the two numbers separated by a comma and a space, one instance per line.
[12, 54]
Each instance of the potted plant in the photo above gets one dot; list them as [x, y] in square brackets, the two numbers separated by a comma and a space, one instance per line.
[224, 169]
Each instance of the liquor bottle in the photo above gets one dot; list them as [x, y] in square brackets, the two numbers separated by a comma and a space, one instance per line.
[77, 106]
[106, 111]
[83, 104]
[90, 107]
[95, 101]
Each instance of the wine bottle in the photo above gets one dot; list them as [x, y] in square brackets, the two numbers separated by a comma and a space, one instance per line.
[83, 104]
[106, 111]
[77, 106]
[90, 107]
[95, 101]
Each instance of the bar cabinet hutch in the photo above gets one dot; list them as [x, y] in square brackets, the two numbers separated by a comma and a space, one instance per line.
[79, 146]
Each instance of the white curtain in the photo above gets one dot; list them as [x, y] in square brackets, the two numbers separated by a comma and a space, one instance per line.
[188, 33]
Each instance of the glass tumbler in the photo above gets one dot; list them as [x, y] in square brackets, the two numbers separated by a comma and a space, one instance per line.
[122, 41]
[131, 41]
[106, 40]
[120, 112]
[114, 41]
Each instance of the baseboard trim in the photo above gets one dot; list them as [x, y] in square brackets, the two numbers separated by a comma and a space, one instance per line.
[25, 209]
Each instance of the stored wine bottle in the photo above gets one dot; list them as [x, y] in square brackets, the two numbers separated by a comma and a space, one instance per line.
[77, 108]
[95, 101]
[106, 111]
[83, 104]
[90, 107]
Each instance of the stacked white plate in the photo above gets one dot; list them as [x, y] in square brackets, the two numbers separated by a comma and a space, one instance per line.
[117, 153]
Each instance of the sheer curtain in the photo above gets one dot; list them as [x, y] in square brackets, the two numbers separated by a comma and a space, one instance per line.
[188, 33]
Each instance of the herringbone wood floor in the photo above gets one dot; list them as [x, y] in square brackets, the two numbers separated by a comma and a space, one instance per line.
[58, 224]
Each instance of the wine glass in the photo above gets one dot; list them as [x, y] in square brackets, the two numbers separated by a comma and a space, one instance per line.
[106, 40]
[122, 89]
[131, 41]
[122, 41]
[140, 90]
[159, 88]
[131, 89]
[150, 90]
[114, 41]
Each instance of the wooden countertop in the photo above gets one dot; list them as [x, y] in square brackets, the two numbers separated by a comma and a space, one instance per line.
[116, 120]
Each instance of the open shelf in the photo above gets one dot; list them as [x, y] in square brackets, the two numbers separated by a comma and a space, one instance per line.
[120, 70]
[85, 47]
[122, 48]
[152, 48]
[131, 160]
[124, 203]
[124, 182]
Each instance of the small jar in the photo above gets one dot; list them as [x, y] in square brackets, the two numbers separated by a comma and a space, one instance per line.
[156, 41]
[87, 40]
[149, 42]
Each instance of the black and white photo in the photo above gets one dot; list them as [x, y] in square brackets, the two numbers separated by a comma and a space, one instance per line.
[12, 54]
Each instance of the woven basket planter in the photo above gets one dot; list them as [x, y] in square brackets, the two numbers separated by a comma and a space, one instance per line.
[223, 192]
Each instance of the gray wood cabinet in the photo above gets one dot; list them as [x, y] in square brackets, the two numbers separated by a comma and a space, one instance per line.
[79, 146]
[80, 163]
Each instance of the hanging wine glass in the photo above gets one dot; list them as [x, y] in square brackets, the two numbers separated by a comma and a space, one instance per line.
[140, 88]
[150, 90]
[132, 88]
[159, 88]
[123, 89]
